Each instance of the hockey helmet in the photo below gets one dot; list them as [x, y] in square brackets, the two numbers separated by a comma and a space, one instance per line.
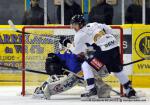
[53, 65]
[78, 19]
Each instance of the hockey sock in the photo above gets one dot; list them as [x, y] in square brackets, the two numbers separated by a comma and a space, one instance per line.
[88, 75]
[127, 85]
[87, 71]
[90, 83]
[122, 77]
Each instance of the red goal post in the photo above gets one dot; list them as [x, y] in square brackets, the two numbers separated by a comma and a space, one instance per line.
[62, 29]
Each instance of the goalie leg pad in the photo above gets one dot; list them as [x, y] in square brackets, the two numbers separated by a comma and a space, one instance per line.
[47, 93]
[64, 83]
[59, 85]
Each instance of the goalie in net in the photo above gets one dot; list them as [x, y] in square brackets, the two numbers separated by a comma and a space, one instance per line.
[104, 49]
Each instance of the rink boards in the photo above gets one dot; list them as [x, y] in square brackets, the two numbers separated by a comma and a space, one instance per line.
[138, 80]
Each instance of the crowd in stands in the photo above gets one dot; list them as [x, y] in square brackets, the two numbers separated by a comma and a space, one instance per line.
[102, 12]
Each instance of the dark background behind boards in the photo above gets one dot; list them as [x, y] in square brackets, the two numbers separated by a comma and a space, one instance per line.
[14, 10]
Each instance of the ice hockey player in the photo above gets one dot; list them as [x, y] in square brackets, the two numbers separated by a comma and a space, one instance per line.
[99, 36]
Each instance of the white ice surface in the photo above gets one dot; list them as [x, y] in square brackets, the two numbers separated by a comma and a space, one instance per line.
[10, 96]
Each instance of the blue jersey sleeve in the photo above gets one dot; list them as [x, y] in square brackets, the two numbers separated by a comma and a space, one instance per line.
[71, 61]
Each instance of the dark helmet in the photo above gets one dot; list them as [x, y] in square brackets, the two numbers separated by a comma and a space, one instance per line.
[53, 65]
[78, 19]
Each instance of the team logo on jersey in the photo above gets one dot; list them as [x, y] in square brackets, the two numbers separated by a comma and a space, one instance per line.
[142, 45]
[99, 35]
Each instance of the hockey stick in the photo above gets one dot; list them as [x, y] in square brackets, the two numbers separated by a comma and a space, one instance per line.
[19, 31]
[14, 28]
[136, 61]
[28, 70]
[126, 64]
[38, 72]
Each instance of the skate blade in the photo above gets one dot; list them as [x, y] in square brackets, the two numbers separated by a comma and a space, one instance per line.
[139, 94]
[117, 99]
[38, 96]
[91, 98]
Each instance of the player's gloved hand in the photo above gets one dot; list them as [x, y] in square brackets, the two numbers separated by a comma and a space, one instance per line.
[95, 47]
[89, 47]
[89, 51]
[64, 41]
[81, 55]
[92, 47]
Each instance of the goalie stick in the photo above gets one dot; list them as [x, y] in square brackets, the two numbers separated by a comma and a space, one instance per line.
[19, 31]
[28, 70]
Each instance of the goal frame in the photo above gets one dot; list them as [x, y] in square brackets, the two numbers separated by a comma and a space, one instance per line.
[61, 27]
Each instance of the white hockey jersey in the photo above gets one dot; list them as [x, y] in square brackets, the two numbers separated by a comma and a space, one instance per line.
[97, 33]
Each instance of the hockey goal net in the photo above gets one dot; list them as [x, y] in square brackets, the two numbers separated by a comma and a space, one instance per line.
[44, 40]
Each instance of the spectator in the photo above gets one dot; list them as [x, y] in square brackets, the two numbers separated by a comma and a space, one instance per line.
[35, 15]
[134, 12]
[147, 15]
[71, 8]
[101, 13]
[147, 12]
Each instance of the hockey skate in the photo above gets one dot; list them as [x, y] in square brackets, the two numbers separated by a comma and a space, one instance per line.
[130, 93]
[92, 93]
[39, 92]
